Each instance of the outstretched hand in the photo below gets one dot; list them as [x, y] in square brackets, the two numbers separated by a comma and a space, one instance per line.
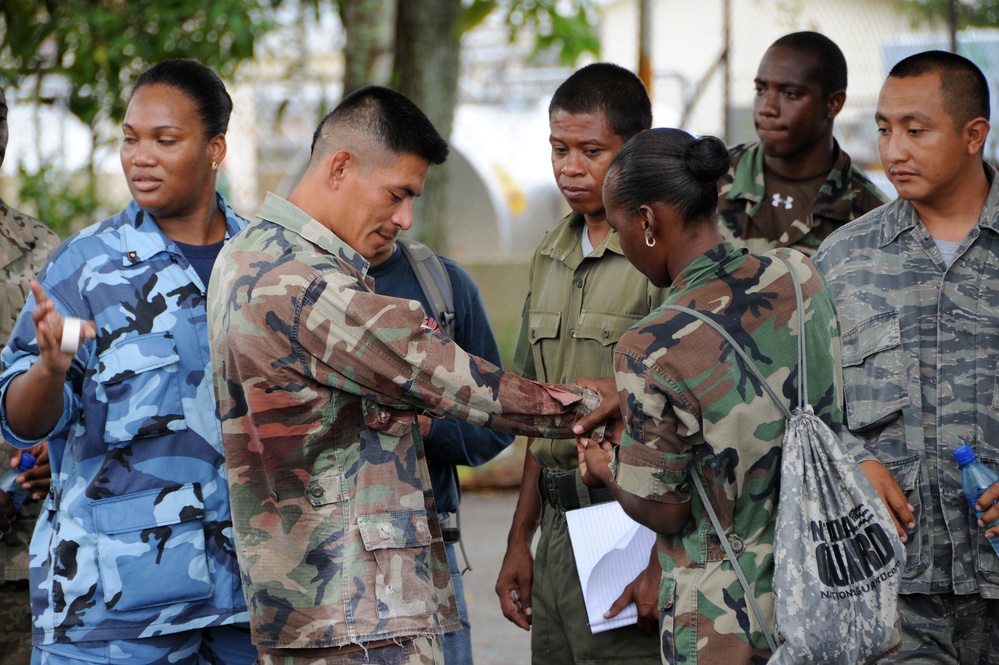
[49, 329]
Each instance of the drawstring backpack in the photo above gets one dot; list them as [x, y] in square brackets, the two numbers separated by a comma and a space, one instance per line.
[837, 559]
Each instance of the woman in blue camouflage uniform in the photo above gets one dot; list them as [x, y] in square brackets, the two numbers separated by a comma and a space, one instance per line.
[132, 560]
[689, 403]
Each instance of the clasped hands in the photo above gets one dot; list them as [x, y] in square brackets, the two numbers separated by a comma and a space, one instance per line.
[595, 456]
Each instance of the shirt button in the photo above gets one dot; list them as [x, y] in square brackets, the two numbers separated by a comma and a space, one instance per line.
[317, 491]
[565, 379]
[736, 543]
[572, 333]
[274, 495]
[579, 283]
[534, 333]
[606, 334]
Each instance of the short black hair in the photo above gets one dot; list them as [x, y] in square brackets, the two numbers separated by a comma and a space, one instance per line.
[608, 88]
[672, 167]
[198, 82]
[964, 87]
[830, 64]
[389, 117]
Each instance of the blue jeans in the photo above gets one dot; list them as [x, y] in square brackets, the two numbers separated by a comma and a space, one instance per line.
[458, 645]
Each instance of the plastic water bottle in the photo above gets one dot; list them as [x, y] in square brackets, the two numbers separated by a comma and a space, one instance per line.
[975, 479]
[15, 492]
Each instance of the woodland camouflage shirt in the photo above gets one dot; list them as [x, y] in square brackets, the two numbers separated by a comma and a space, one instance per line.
[687, 399]
[320, 381]
[846, 194]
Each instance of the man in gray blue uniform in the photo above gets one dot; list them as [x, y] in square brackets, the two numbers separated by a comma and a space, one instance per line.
[916, 285]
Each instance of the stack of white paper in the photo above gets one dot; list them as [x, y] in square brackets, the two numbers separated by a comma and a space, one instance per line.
[611, 550]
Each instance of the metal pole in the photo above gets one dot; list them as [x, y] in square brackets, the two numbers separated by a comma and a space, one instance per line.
[645, 20]
[726, 68]
[952, 24]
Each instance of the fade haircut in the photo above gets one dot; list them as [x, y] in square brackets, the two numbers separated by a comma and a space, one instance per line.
[829, 69]
[381, 116]
[200, 84]
[965, 90]
[613, 90]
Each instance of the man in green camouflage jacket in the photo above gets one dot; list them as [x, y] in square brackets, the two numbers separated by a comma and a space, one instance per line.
[25, 245]
[915, 284]
[320, 382]
[795, 186]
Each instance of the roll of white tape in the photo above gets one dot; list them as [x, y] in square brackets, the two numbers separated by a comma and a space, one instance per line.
[70, 335]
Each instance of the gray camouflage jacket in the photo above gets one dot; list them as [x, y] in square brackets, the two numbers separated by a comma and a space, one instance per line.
[920, 366]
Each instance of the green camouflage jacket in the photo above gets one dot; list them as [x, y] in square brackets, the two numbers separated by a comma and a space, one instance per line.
[25, 246]
[688, 400]
[846, 194]
[920, 361]
[320, 381]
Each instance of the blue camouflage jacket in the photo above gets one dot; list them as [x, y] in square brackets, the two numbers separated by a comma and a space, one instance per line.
[135, 538]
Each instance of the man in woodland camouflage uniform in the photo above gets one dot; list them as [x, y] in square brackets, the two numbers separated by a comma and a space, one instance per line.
[25, 245]
[916, 285]
[320, 383]
[795, 186]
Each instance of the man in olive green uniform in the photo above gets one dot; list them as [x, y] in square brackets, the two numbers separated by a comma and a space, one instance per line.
[25, 245]
[583, 296]
[796, 186]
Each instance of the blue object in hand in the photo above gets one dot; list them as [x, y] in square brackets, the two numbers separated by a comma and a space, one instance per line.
[975, 479]
[8, 482]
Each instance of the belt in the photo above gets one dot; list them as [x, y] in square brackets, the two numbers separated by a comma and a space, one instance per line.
[558, 489]
[451, 534]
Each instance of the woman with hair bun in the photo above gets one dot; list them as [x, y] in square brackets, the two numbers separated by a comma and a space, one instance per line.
[132, 560]
[688, 401]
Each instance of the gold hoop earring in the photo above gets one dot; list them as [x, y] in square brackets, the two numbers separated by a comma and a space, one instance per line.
[215, 166]
[650, 244]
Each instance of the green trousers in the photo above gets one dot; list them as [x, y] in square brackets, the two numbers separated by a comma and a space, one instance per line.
[560, 634]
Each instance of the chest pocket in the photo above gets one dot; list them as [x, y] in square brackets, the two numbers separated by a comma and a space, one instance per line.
[138, 379]
[874, 372]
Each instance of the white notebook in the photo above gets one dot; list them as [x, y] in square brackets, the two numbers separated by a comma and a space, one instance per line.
[611, 549]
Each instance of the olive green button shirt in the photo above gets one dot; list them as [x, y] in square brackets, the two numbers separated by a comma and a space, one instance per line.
[576, 310]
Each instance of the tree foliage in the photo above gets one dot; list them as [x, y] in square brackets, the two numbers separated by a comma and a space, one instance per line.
[970, 13]
[569, 27]
[92, 50]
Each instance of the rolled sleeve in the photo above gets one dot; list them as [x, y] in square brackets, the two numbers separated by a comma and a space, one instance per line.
[649, 473]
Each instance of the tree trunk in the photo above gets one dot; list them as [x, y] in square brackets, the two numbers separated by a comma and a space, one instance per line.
[427, 60]
[370, 29]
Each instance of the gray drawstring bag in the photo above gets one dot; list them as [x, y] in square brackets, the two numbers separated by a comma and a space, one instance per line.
[837, 559]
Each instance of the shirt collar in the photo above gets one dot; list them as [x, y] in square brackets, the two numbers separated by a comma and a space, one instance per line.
[284, 213]
[901, 216]
[142, 238]
[563, 243]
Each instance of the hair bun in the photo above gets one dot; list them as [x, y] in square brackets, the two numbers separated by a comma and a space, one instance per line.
[707, 159]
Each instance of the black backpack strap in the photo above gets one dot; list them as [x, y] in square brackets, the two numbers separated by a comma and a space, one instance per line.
[434, 282]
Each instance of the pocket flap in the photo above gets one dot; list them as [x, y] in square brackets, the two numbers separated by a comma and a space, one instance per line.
[136, 354]
[871, 336]
[149, 509]
[906, 472]
[394, 530]
[391, 421]
[604, 328]
[544, 325]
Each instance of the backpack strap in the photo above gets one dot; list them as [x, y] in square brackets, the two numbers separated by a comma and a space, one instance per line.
[698, 480]
[802, 376]
[695, 474]
[434, 282]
